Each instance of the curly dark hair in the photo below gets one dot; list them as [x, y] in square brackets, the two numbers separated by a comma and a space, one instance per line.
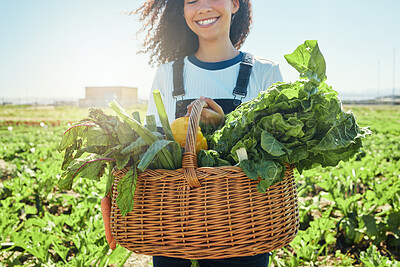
[169, 37]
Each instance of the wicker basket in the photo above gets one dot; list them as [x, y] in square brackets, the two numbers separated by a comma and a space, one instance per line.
[207, 212]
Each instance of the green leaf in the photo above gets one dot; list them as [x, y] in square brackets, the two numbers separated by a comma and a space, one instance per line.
[165, 156]
[99, 150]
[151, 153]
[282, 128]
[269, 171]
[61, 250]
[121, 160]
[394, 223]
[176, 151]
[194, 263]
[71, 135]
[137, 147]
[371, 225]
[69, 153]
[307, 59]
[297, 154]
[91, 167]
[340, 135]
[126, 190]
[125, 134]
[271, 145]
[205, 159]
[97, 136]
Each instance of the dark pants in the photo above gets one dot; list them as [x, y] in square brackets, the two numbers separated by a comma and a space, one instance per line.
[260, 260]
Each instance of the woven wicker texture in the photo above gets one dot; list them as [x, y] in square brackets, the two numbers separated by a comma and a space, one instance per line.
[200, 213]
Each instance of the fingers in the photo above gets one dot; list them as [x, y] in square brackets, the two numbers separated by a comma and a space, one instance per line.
[213, 105]
[209, 116]
[189, 109]
[212, 113]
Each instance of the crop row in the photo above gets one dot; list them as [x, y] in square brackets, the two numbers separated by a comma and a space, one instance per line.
[41, 224]
[42, 123]
[349, 215]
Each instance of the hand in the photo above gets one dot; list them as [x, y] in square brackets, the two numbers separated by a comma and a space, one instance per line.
[211, 114]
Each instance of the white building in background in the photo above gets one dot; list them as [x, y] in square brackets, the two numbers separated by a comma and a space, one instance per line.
[100, 96]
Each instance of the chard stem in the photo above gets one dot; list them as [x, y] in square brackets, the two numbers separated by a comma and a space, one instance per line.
[162, 114]
[164, 155]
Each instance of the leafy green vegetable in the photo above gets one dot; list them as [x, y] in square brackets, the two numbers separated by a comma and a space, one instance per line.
[271, 145]
[126, 189]
[70, 136]
[300, 123]
[269, 171]
[101, 142]
[210, 158]
[151, 153]
[91, 145]
[164, 154]
[162, 114]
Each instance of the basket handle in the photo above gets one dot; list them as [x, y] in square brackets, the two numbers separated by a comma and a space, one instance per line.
[189, 161]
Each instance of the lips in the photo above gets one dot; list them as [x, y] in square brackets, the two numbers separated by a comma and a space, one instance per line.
[207, 22]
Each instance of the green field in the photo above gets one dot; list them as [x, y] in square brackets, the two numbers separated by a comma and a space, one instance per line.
[349, 214]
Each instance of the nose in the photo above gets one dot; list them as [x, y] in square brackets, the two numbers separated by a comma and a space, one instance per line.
[204, 6]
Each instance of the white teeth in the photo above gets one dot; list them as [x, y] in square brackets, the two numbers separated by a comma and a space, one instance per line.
[207, 21]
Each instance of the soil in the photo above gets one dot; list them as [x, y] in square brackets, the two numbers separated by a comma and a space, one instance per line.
[137, 260]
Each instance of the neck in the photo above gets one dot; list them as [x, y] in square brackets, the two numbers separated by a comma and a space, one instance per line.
[216, 51]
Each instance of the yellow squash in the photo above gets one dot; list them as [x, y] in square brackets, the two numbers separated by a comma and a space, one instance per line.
[179, 131]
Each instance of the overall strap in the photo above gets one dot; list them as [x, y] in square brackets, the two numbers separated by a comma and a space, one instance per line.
[240, 90]
[243, 78]
[177, 69]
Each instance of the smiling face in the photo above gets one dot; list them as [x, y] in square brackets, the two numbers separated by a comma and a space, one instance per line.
[210, 20]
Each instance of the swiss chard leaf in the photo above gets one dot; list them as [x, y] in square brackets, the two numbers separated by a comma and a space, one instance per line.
[271, 145]
[71, 135]
[269, 171]
[205, 159]
[124, 133]
[91, 167]
[307, 59]
[343, 132]
[282, 128]
[301, 122]
[126, 189]
[297, 154]
[265, 169]
[69, 153]
[97, 136]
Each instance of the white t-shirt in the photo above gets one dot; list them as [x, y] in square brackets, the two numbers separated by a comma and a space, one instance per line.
[214, 80]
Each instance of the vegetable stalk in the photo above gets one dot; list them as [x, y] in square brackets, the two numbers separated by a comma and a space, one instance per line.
[162, 114]
[164, 155]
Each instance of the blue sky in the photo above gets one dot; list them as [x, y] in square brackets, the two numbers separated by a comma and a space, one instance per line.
[54, 48]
